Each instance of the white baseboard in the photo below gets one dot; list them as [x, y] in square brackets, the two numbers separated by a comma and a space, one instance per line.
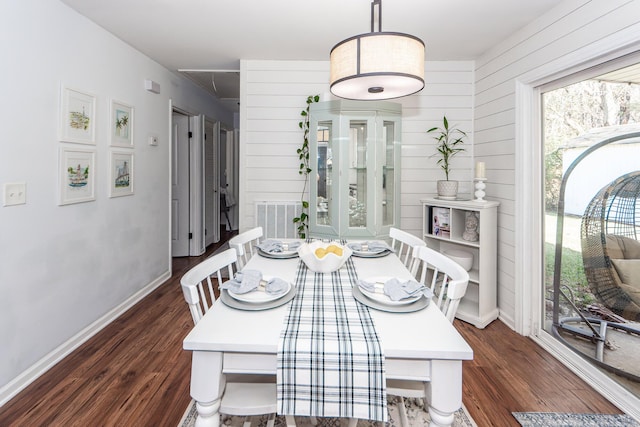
[507, 320]
[47, 362]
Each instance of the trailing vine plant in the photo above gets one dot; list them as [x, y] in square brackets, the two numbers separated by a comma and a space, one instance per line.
[305, 169]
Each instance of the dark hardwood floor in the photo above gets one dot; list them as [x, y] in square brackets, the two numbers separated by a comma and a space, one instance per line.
[135, 373]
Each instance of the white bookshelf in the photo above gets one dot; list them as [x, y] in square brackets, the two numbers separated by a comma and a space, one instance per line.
[479, 305]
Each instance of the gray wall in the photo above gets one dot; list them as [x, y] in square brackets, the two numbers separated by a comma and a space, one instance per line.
[65, 271]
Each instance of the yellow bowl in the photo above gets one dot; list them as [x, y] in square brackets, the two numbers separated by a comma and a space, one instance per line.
[326, 264]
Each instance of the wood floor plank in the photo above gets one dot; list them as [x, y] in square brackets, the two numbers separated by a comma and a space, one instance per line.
[135, 373]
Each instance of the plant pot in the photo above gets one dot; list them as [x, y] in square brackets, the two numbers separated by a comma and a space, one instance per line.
[447, 190]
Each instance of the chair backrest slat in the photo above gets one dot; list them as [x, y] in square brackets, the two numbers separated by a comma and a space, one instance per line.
[404, 245]
[246, 244]
[447, 279]
[197, 286]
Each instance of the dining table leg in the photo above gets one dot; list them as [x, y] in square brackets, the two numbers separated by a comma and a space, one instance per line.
[444, 392]
[207, 384]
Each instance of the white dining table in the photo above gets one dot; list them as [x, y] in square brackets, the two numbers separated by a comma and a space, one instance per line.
[421, 345]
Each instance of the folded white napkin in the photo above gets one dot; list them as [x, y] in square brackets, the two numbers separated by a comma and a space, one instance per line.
[276, 246]
[369, 246]
[249, 280]
[397, 289]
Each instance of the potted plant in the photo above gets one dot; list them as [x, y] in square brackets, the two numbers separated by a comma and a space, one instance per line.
[449, 139]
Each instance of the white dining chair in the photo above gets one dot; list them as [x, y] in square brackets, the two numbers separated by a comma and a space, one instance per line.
[403, 244]
[245, 244]
[448, 281]
[244, 395]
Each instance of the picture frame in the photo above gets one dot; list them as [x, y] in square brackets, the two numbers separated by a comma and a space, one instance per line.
[121, 124]
[77, 122]
[121, 173]
[77, 175]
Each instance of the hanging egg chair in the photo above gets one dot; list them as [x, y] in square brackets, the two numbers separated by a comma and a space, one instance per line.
[610, 247]
[610, 253]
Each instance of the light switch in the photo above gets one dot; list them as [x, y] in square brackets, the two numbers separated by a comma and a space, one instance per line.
[15, 193]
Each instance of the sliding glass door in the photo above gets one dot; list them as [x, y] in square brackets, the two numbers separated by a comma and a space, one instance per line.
[591, 289]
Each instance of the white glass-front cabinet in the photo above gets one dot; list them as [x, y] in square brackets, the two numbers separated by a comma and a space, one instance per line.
[355, 182]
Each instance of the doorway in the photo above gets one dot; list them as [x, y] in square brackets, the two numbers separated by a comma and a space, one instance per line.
[211, 181]
[579, 114]
[195, 182]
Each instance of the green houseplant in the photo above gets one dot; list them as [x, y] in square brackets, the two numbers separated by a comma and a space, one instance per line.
[304, 169]
[449, 139]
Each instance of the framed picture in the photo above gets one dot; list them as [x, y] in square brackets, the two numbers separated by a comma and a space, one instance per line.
[121, 173]
[77, 175]
[77, 116]
[121, 124]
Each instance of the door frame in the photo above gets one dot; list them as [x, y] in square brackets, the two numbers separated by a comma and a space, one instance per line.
[196, 179]
[529, 263]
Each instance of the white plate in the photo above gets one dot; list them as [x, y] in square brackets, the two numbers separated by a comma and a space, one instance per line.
[258, 297]
[368, 252]
[249, 306]
[381, 297]
[278, 255]
[359, 296]
[372, 254]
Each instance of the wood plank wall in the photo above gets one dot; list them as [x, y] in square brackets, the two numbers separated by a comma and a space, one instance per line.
[273, 93]
[563, 38]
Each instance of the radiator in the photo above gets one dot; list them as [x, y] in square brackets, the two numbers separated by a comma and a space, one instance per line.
[276, 218]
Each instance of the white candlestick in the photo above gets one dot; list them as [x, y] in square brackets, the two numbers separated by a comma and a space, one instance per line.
[480, 170]
[480, 186]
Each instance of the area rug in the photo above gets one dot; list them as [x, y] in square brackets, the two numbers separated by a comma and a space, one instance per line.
[557, 419]
[415, 413]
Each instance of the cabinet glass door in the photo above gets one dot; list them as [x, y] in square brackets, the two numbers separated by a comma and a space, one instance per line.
[388, 174]
[357, 174]
[324, 198]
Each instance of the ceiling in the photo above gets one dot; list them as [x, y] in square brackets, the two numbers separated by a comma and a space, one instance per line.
[215, 34]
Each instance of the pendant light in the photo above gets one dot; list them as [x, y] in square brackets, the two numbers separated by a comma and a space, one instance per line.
[377, 65]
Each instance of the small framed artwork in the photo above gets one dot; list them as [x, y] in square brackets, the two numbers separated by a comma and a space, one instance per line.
[77, 116]
[77, 175]
[121, 173]
[121, 127]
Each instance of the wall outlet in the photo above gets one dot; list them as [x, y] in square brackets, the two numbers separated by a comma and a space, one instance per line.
[15, 193]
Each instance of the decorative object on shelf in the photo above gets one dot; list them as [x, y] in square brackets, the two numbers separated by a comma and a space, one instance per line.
[471, 223]
[377, 65]
[480, 179]
[480, 186]
[448, 140]
[441, 222]
[464, 258]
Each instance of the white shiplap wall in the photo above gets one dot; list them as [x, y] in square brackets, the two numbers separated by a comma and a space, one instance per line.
[572, 34]
[272, 95]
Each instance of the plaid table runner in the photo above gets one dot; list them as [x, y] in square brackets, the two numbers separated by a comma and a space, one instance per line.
[330, 360]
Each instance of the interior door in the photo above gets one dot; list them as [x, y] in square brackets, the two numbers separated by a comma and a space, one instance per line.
[180, 185]
[211, 182]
